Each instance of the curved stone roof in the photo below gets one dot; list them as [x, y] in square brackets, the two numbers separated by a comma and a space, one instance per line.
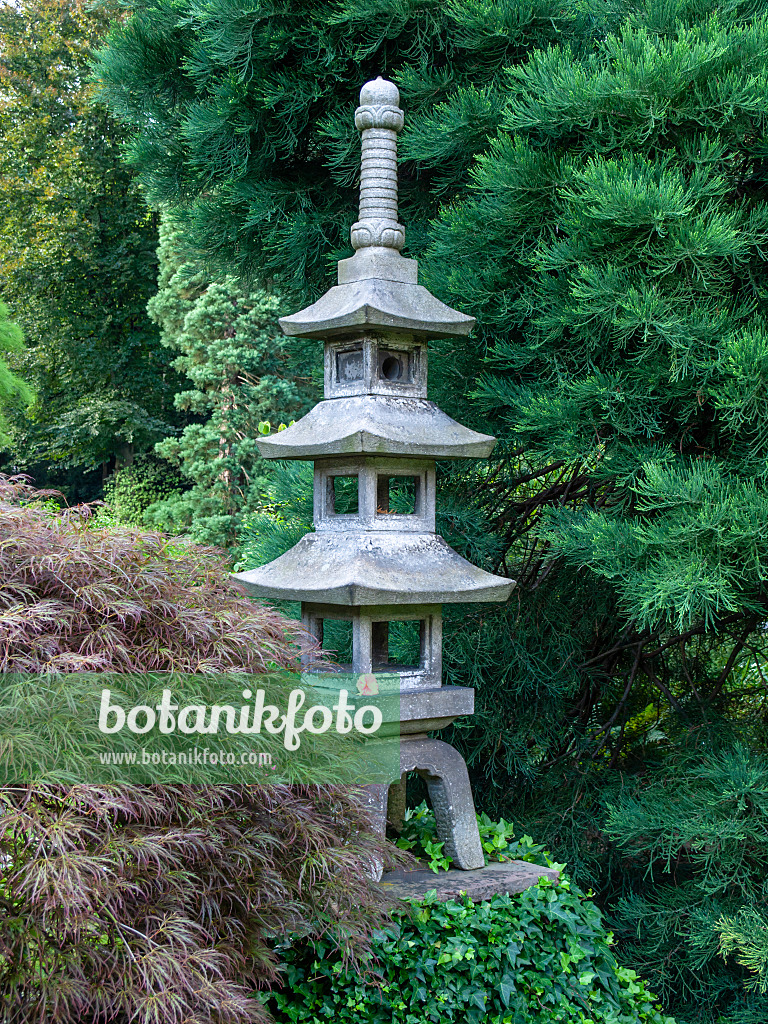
[370, 568]
[381, 304]
[377, 425]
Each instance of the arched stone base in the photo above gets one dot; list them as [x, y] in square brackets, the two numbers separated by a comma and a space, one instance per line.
[445, 772]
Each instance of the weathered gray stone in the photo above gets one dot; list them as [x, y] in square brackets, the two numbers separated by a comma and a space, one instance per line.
[379, 263]
[410, 714]
[425, 711]
[376, 796]
[373, 477]
[372, 566]
[370, 640]
[365, 568]
[443, 769]
[376, 425]
[377, 290]
[372, 303]
[376, 364]
[397, 804]
[380, 119]
[422, 704]
[480, 884]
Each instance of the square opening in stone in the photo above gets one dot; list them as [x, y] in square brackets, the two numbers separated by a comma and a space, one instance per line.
[395, 366]
[349, 365]
[398, 495]
[342, 495]
[336, 638]
[397, 645]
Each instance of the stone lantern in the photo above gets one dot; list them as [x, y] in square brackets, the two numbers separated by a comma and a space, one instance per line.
[374, 558]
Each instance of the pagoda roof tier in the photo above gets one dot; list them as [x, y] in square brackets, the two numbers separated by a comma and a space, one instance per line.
[376, 425]
[377, 304]
[371, 568]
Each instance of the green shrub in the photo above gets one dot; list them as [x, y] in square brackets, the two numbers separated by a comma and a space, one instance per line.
[542, 956]
[131, 490]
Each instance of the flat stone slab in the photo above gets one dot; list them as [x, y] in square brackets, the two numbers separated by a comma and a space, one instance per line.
[481, 884]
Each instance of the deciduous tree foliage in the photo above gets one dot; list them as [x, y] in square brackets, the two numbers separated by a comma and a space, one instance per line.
[172, 611]
[589, 180]
[14, 393]
[77, 250]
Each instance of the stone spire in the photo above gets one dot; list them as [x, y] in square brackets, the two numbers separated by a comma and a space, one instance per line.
[377, 317]
[378, 287]
[376, 422]
[380, 120]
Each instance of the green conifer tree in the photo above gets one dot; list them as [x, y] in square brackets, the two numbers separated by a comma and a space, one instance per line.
[699, 933]
[244, 377]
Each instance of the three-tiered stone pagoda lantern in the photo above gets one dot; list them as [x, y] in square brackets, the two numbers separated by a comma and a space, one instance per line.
[377, 560]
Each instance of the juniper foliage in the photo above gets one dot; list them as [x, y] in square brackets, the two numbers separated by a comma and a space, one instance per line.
[700, 827]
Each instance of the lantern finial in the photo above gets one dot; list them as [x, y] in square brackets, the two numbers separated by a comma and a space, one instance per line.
[380, 119]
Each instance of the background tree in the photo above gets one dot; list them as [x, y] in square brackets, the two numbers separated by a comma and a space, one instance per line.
[14, 393]
[77, 255]
[590, 181]
[243, 373]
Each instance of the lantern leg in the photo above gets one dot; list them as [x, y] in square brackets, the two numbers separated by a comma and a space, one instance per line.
[445, 772]
[376, 800]
[396, 804]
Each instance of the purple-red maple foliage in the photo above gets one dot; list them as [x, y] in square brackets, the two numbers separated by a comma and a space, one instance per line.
[75, 597]
[154, 905]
